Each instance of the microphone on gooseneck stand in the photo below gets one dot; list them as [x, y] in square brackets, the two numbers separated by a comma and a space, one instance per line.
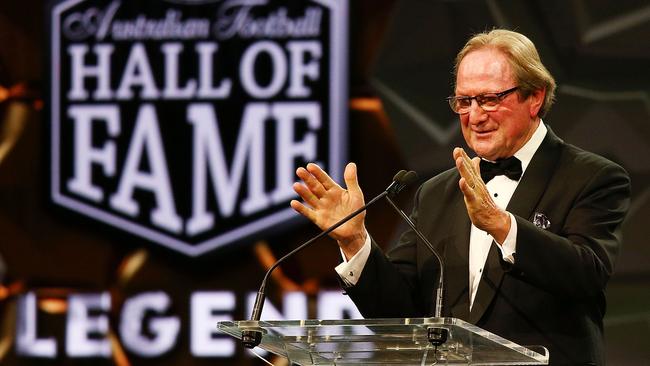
[251, 338]
[437, 335]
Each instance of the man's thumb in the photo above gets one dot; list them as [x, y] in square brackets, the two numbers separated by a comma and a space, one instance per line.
[351, 180]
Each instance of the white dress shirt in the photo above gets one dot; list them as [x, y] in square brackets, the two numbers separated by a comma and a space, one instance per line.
[501, 188]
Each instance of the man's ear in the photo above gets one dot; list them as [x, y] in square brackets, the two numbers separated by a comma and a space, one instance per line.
[536, 100]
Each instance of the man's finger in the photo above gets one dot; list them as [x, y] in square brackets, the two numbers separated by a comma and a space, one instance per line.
[306, 195]
[303, 210]
[476, 163]
[322, 177]
[351, 180]
[467, 190]
[465, 171]
[469, 164]
[312, 183]
[461, 164]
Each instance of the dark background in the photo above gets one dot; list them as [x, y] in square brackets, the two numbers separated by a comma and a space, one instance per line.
[401, 56]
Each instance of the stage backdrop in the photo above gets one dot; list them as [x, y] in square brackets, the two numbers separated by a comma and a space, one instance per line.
[147, 151]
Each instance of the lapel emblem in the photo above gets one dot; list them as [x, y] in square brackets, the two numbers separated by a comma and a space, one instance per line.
[541, 221]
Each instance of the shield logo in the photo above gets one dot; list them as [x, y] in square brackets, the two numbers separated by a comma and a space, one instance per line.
[182, 122]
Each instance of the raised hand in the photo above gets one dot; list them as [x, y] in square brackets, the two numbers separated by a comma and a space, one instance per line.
[325, 203]
[484, 213]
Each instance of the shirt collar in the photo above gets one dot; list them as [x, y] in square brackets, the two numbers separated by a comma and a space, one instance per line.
[525, 154]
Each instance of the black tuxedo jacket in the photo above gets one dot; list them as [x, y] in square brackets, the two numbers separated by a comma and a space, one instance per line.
[553, 295]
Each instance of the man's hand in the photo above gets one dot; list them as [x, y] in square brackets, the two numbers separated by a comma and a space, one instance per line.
[482, 210]
[327, 203]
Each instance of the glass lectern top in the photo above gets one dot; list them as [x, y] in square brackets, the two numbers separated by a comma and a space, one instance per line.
[386, 342]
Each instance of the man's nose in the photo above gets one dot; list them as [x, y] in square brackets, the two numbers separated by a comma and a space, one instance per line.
[476, 113]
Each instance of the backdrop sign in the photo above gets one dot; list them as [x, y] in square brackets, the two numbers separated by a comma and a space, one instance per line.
[182, 122]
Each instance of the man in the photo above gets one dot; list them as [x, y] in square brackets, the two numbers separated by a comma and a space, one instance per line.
[527, 256]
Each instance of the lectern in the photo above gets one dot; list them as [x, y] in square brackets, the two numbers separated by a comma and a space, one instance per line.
[386, 342]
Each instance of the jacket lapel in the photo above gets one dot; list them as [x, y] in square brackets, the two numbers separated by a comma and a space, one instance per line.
[487, 288]
[523, 202]
[456, 261]
[536, 178]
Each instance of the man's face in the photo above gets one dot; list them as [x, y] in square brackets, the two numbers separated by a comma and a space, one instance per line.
[500, 133]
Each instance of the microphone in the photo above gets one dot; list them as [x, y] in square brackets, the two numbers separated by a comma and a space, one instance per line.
[436, 335]
[251, 338]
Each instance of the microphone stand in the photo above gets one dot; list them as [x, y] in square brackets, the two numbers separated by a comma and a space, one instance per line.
[436, 335]
[439, 289]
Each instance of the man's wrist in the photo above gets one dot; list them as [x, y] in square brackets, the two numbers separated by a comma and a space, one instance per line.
[502, 227]
[353, 245]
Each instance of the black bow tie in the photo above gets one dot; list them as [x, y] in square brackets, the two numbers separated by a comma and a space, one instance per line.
[510, 167]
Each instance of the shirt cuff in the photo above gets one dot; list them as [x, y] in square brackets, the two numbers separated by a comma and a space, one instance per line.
[350, 271]
[509, 246]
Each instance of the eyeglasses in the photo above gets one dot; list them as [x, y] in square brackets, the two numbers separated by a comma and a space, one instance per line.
[488, 101]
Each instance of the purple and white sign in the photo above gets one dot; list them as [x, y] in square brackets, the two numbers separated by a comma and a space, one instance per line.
[182, 122]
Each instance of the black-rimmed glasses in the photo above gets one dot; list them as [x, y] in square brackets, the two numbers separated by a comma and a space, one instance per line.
[488, 101]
